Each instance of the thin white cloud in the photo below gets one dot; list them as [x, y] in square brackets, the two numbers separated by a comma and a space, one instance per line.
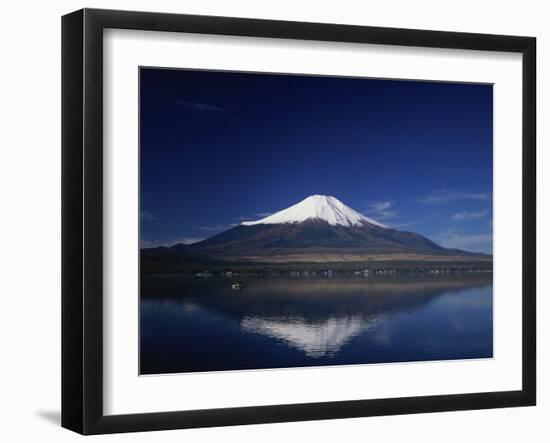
[255, 216]
[452, 238]
[218, 227]
[381, 205]
[466, 216]
[198, 106]
[144, 243]
[467, 241]
[404, 224]
[418, 221]
[147, 216]
[386, 215]
[384, 210]
[381, 210]
[445, 196]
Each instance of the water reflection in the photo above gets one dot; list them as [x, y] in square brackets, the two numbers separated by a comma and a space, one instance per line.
[193, 325]
[315, 339]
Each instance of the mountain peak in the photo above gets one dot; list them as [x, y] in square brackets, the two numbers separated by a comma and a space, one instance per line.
[323, 207]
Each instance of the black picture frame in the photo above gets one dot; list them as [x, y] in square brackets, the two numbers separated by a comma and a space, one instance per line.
[82, 219]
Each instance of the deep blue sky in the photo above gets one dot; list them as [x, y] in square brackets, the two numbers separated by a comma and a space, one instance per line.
[220, 147]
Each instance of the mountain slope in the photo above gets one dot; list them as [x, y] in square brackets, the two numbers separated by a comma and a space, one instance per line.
[311, 236]
[318, 228]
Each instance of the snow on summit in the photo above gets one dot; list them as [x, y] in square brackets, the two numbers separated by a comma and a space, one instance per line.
[323, 207]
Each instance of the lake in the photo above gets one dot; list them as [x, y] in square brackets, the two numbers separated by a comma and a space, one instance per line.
[191, 324]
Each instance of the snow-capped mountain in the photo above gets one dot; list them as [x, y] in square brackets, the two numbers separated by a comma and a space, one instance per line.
[317, 229]
[318, 207]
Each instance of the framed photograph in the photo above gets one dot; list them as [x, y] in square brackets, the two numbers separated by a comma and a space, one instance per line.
[269, 221]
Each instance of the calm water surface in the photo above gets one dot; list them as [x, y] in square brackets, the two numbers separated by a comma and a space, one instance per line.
[190, 324]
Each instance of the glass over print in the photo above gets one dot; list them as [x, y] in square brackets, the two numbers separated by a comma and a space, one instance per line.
[294, 221]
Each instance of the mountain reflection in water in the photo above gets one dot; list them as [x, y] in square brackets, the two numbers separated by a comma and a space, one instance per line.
[324, 337]
[190, 325]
